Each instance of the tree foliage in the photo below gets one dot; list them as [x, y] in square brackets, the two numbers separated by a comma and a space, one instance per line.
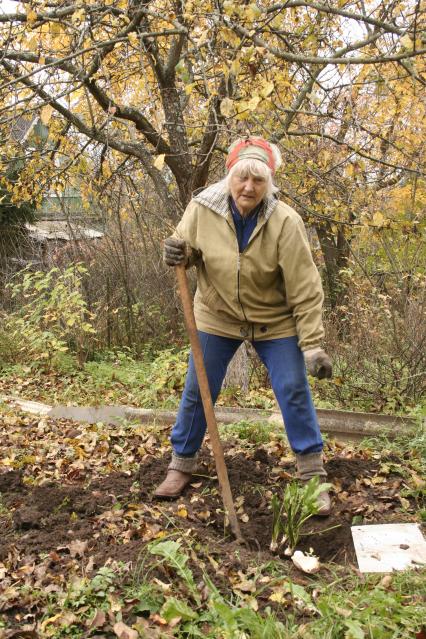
[158, 88]
[12, 213]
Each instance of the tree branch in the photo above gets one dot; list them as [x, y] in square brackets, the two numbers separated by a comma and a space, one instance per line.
[136, 150]
[338, 58]
[354, 149]
[324, 8]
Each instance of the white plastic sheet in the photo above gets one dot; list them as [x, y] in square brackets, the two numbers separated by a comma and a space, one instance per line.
[388, 547]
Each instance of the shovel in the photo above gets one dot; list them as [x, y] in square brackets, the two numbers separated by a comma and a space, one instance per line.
[206, 398]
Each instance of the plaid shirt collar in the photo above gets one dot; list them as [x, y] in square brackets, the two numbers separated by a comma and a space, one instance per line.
[216, 199]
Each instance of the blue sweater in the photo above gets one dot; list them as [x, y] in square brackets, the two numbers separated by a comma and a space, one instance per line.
[244, 226]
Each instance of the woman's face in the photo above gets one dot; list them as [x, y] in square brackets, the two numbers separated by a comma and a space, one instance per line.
[247, 192]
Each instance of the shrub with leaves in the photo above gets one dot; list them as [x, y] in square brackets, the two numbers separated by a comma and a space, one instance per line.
[296, 506]
[52, 316]
[166, 378]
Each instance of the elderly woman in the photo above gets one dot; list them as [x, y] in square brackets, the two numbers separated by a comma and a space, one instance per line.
[256, 281]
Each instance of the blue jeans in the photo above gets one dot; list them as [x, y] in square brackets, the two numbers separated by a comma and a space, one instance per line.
[286, 367]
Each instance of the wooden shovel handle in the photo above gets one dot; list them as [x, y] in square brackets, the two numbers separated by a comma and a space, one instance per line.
[207, 400]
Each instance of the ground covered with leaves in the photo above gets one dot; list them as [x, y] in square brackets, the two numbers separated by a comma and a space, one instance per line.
[86, 552]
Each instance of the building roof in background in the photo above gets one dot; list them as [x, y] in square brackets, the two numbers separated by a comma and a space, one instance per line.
[61, 230]
[29, 130]
[21, 127]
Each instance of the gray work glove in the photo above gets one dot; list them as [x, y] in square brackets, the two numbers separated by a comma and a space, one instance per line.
[318, 363]
[174, 251]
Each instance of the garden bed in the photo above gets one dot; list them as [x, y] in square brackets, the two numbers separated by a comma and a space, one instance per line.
[76, 500]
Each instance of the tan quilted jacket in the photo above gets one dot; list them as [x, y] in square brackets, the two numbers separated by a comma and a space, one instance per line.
[270, 290]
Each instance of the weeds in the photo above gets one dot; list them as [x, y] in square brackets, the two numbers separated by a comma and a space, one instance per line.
[171, 553]
[348, 608]
[257, 433]
[214, 615]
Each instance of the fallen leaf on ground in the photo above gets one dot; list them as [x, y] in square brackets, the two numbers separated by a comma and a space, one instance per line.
[125, 632]
[78, 548]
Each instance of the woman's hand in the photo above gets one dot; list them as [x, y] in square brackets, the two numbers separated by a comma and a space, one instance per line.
[174, 251]
[318, 363]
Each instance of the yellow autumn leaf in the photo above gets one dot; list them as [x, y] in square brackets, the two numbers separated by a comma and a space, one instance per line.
[159, 161]
[190, 87]
[55, 29]
[31, 16]
[406, 41]
[32, 43]
[182, 512]
[78, 16]
[378, 219]
[46, 114]
[50, 620]
[267, 89]
[253, 12]
[229, 7]
[160, 534]
[277, 22]
[204, 37]
[133, 39]
[278, 596]
[227, 107]
[243, 112]
[235, 67]
[252, 104]
[230, 37]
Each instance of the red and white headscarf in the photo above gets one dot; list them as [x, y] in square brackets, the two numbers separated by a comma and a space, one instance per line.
[252, 148]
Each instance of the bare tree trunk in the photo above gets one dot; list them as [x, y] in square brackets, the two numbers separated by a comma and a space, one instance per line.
[335, 249]
[238, 373]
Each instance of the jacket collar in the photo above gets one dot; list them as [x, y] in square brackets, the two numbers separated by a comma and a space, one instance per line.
[216, 199]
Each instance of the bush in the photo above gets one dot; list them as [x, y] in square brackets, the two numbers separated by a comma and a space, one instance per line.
[51, 317]
[378, 343]
[165, 381]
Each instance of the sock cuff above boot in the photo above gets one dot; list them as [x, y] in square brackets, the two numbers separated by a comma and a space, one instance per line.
[183, 464]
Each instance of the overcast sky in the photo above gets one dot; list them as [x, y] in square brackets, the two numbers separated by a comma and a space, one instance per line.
[7, 6]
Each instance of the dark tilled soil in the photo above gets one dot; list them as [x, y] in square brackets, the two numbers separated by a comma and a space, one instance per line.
[49, 517]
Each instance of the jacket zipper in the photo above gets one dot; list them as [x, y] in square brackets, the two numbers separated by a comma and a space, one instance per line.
[238, 278]
[238, 275]
[238, 285]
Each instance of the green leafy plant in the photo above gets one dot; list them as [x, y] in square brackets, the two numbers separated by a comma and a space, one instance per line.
[166, 377]
[296, 506]
[368, 610]
[172, 554]
[218, 616]
[89, 592]
[52, 315]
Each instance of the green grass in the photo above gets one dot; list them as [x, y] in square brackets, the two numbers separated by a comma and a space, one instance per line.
[252, 432]
[114, 378]
[411, 446]
[156, 379]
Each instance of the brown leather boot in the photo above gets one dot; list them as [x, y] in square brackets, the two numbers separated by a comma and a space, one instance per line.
[173, 486]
